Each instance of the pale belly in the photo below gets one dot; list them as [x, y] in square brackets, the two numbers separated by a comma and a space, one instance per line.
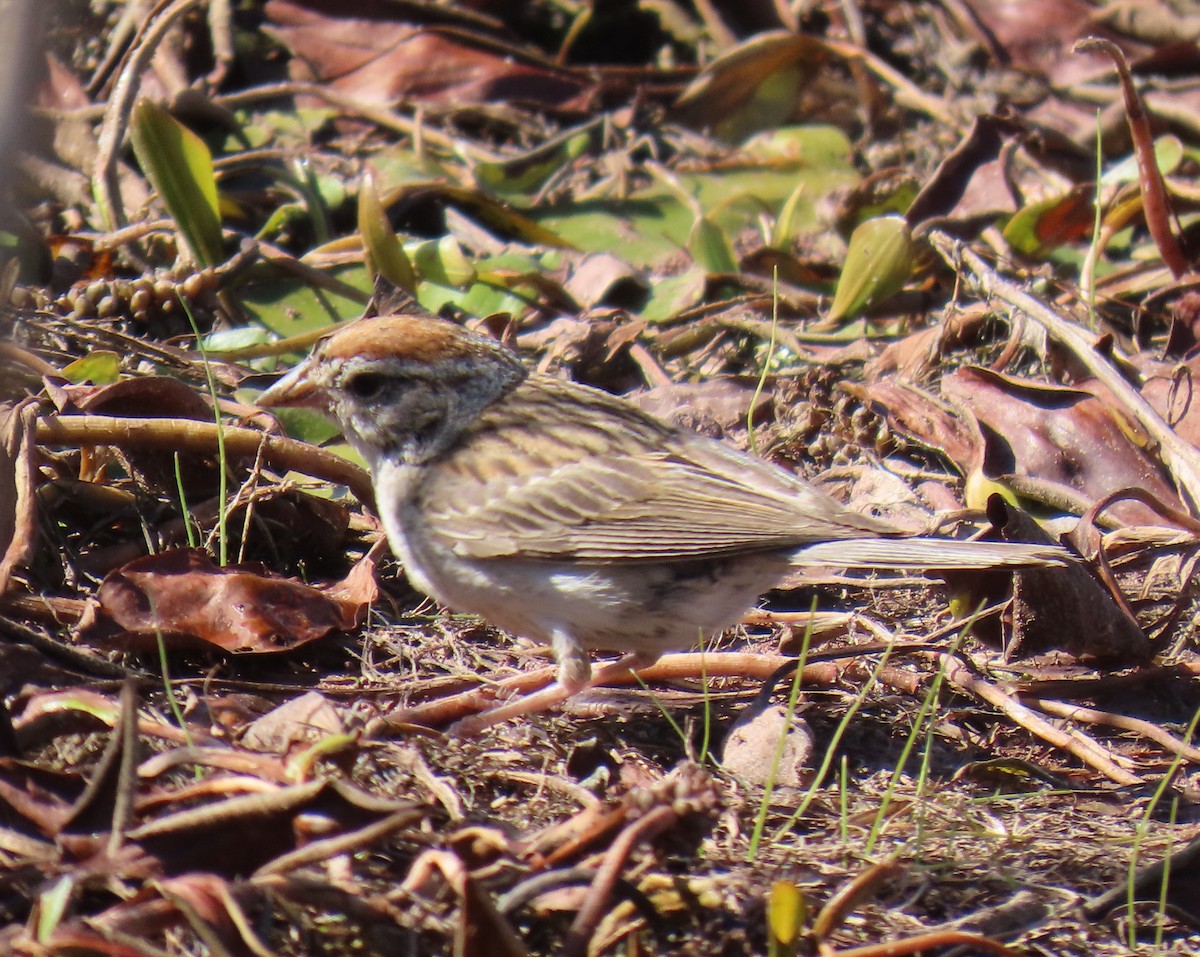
[642, 606]
[650, 607]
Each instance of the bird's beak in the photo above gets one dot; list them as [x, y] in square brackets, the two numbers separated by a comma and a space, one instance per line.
[295, 390]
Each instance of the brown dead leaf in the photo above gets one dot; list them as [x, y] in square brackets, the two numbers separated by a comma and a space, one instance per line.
[917, 355]
[204, 898]
[604, 279]
[180, 594]
[1037, 35]
[728, 85]
[39, 796]
[141, 395]
[948, 187]
[1064, 609]
[300, 721]
[18, 515]
[715, 407]
[920, 417]
[360, 587]
[377, 53]
[158, 397]
[1170, 388]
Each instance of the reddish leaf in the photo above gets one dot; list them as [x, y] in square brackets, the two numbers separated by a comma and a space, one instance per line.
[181, 594]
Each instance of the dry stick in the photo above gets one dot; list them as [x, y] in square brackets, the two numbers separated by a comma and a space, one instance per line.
[733, 664]
[850, 896]
[1147, 729]
[104, 336]
[1180, 457]
[381, 117]
[105, 184]
[575, 944]
[187, 435]
[908, 94]
[1078, 744]
[319, 851]
[102, 242]
[19, 356]
[932, 941]
[1147, 878]
[1088, 523]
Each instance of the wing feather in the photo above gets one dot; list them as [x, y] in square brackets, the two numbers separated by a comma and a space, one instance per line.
[580, 487]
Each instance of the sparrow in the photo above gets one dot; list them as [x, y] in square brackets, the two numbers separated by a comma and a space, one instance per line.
[565, 514]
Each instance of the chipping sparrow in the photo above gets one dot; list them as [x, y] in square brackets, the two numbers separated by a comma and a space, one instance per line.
[565, 514]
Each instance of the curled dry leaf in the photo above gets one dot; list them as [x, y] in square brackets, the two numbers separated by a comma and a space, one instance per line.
[298, 722]
[920, 417]
[919, 354]
[181, 595]
[1170, 388]
[17, 499]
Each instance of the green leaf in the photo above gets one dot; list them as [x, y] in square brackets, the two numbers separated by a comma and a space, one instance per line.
[709, 247]
[385, 255]
[98, 368]
[525, 174]
[878, 264]
[180, 168]
[788, 222]
[53, 906]
[309, 426]
[442, 261]
[674, 294]
[1168, 154]
[292, 306]
[236, 339]
[810, 146]
[648, 227]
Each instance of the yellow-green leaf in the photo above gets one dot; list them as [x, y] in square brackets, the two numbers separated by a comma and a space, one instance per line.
[442, 261]
[878, 264]
[180, 168]
[786, 223]
[52, 906]
[786, 915]
[385, 254]
[98, 368]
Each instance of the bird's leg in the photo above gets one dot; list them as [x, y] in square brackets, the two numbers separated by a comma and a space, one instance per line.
[574, 675]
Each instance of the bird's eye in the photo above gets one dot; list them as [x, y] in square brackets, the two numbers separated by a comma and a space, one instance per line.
[365, 385]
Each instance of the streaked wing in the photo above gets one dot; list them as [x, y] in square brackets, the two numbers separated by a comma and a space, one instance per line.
[622, 487]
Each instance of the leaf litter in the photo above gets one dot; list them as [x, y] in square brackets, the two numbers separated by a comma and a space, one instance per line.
[883, 270]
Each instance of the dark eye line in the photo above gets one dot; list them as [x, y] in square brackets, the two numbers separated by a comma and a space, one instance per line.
[365, 385]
